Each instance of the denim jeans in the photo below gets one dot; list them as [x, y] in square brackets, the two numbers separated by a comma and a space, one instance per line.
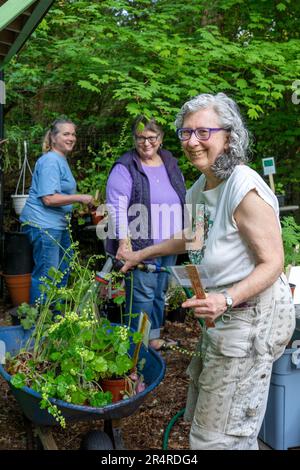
[49, 250]
[148, 295]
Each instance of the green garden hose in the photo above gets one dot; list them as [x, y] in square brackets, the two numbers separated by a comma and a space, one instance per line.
[181, 412]
[189, 296]
[169, 427]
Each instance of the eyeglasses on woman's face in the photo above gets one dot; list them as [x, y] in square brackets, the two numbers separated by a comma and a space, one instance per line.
[201, 133]
[140, 139]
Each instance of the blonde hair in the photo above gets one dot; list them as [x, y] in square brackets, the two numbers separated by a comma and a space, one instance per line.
[52, 131]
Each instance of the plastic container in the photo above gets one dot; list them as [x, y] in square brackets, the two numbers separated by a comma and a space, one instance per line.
[281, 426]
[17, 254]
[115, 386]
[19, 201]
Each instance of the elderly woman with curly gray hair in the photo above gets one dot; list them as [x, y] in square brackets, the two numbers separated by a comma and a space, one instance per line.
[237, 241]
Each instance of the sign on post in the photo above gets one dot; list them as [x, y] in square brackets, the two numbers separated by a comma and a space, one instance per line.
[269, 170]
[269, 166]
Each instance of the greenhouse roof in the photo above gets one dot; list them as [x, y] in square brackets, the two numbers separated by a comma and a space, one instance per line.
[18, 19]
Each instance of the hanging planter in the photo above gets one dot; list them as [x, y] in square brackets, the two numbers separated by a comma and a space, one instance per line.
[19, 200]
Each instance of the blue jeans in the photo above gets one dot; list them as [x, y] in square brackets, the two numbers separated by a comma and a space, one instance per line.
[49, 250]
[148, 295]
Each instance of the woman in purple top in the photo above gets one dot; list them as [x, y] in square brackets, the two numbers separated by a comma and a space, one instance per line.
[145, 197]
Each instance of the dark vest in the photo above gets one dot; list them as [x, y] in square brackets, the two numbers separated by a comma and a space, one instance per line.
[140, 193]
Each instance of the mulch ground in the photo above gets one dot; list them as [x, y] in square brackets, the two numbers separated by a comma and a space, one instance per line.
[144, 430]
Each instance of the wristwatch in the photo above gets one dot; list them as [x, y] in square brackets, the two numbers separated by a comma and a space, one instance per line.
[228, 300]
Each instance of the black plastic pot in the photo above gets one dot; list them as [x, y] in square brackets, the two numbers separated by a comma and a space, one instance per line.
[15, 320]
[111, 311]
[177, 315]
[280, 199]
[17, 254]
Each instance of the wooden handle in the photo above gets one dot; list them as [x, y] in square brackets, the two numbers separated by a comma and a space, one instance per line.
[198, 288]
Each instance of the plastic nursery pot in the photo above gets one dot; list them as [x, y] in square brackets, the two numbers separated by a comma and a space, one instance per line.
[115, 386]
[280, 199]
[176, 315]
[19, 201]
[112, 312]
[292, 287]
[18, 287]
[15, 320]
[17, 258]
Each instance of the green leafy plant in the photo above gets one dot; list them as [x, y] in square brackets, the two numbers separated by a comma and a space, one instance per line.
[92, 178]
[72, 347]
[279, 188]
[291, 241]
[175, 297]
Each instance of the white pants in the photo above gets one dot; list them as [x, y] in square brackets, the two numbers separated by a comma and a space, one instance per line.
[229, 386]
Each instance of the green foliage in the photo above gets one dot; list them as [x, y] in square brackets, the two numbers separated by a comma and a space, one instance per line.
[28, 315]
[136, 57]
[74, 348]
[279, 188]
[291, 241]
[93, 177]
[175, 297]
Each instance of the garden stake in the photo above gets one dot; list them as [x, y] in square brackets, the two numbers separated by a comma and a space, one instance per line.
[144, 329]
[198, 289]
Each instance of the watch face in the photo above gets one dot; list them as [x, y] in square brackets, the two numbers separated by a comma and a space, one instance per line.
[229, 301]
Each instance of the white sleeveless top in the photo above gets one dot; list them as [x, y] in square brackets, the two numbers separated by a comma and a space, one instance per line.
[225, 257]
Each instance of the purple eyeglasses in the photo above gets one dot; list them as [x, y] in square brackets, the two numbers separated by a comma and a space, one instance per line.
[201, 133]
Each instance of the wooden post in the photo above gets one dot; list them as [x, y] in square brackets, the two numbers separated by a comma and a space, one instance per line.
[272, 185]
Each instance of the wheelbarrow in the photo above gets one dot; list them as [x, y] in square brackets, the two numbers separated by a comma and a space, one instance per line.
[15, 337]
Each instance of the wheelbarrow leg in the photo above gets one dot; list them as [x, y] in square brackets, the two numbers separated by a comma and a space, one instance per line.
[29, 433]
[46, 437]
[111, 427]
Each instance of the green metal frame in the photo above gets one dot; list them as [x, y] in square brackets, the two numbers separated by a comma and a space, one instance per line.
[10, 10]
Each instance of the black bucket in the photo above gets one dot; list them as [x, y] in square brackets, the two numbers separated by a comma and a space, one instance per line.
[17, 257]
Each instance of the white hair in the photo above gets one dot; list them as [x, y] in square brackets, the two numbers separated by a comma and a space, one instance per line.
[230, 119]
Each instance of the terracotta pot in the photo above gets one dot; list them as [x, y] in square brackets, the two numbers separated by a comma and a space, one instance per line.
[18, 286]
[292, 287]
[96, 218]
[115, 386]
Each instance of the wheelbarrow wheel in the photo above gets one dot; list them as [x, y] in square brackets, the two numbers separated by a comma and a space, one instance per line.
[96, 440]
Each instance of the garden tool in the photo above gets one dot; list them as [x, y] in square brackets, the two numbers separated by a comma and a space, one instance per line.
[113, 264]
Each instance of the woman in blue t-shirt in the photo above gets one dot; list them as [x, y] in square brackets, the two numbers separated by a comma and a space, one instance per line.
[51, 195]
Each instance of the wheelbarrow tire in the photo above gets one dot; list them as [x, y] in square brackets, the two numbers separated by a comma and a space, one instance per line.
[96, 440]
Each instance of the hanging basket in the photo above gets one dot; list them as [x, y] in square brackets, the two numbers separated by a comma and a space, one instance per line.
[19, 200]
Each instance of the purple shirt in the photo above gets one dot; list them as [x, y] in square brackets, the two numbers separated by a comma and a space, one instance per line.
[166, 210]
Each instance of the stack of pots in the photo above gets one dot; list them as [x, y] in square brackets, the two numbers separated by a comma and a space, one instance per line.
[17, 266]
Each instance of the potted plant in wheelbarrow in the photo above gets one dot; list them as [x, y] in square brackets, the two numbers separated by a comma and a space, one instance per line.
[72, 349]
